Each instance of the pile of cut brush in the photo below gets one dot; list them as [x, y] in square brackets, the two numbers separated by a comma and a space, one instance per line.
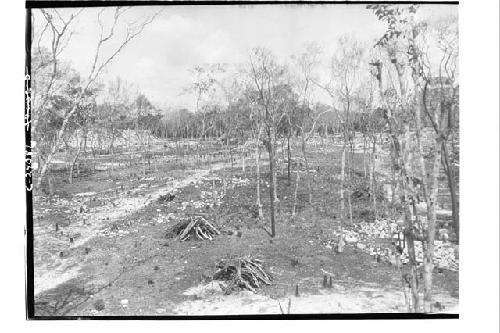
[242, 273]
[166, 198]
[193, 227]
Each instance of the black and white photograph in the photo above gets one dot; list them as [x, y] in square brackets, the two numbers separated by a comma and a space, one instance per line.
[243, 160]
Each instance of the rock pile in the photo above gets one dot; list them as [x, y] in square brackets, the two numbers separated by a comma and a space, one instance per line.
[369, 236]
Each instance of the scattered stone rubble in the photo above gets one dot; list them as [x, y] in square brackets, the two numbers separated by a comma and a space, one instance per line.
[369, 236]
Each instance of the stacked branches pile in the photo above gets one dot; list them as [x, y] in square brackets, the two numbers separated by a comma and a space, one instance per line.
[242, 273]
[193, 227]
[166, 197]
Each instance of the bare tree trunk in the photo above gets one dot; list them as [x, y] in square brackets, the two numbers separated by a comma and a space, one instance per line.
[349, 175]
[410, 218]
[342, 184]
[112, 153]
[289, 153]
[398, 161]
[306, 161]
[410, 241]
[404, 283]
[243, 157]
[93, 152]
[231, 157]
[272, 177]
[297, 180]
[349, 205]
[74, 161]
[283, 151]
[373, 184]
[430, 191]
[275, 181]
[364, 155]
[257, 173]
[450, 175]
[431, 220]
[59, 137]
[277, 202]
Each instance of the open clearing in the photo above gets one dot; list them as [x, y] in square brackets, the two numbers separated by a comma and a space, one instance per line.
[110, 254]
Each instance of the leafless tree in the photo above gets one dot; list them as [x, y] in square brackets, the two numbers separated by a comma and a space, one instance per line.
[306, 63]
[345, 76]
[268, 76]
[99, 63]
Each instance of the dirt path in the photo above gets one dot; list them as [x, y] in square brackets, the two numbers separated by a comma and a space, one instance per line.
[60, 270]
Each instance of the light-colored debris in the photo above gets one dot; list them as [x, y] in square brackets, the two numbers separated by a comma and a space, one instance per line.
[365, 236]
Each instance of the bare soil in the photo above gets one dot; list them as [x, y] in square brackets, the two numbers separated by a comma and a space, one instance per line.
[110, 254]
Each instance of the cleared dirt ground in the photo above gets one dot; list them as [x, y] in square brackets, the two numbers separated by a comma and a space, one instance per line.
[110, 254]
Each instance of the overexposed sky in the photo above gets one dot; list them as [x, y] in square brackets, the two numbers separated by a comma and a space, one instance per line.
[158, 61]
